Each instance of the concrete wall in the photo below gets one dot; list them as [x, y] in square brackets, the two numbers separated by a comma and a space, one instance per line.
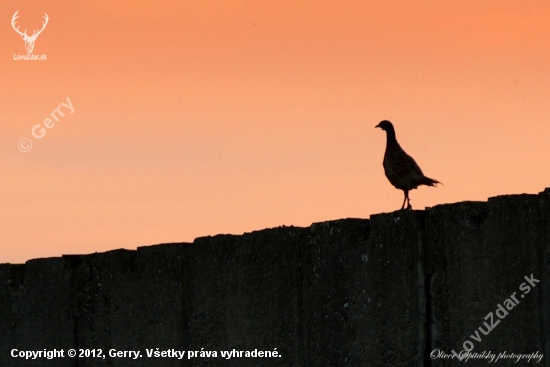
[380, 292]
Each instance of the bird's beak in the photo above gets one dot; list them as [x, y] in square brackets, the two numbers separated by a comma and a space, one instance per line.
[377, 126]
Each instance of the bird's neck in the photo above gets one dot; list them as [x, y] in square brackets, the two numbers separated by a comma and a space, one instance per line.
[390, 137]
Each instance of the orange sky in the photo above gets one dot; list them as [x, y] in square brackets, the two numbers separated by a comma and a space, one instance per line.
[201, 117]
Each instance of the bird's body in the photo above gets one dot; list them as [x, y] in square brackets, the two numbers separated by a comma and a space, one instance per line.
[400, 168]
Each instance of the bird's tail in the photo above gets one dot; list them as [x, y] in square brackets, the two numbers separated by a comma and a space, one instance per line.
[429, 181]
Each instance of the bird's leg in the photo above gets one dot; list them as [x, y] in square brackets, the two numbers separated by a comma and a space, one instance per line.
[409, 206]
[405, 200]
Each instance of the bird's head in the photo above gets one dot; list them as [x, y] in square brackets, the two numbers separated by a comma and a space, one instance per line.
[385, 125]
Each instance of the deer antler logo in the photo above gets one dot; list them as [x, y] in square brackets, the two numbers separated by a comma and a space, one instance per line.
[29, 40]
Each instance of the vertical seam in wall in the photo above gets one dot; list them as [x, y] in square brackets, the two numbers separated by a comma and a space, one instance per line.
[185, 278]
[74, 302]
[303, 302]
[423, 294]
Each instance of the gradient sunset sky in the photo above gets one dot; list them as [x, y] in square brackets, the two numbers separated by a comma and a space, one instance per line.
[201, 117]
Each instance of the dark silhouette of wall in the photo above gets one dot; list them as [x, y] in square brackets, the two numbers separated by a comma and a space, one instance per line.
[380, 292]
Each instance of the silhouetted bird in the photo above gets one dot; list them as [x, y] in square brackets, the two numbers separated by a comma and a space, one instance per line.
[400, 168]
